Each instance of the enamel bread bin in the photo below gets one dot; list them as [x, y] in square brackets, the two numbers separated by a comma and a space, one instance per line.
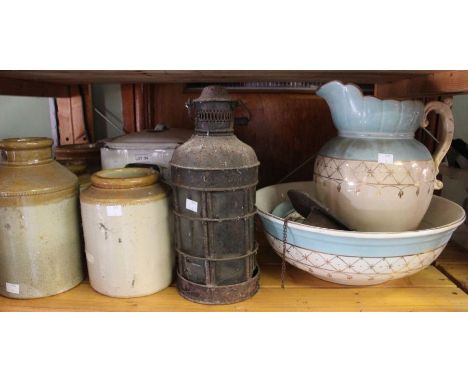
[144, 147]
[350, 257]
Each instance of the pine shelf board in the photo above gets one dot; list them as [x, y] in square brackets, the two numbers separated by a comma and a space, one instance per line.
[453, 262]
[428, 290]
[270, 299]
[457, 272]
[453, 253]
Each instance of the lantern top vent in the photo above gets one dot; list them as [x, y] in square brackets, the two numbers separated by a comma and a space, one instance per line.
[214, 94]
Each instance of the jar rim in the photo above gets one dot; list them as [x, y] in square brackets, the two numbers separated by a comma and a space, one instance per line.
[129, 177]
[27, 143]
[79, 148]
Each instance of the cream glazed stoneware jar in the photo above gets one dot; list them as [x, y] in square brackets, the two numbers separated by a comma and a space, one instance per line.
[40, 251]
[374, 175]
[125, 216]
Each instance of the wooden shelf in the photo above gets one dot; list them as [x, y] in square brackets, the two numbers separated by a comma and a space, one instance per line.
[428, 290]
[436, 288]
[389, 83]
[454, 263]
[67, 77]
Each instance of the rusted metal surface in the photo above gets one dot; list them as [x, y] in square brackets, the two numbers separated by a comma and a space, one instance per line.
[214, 176]
[217, 295]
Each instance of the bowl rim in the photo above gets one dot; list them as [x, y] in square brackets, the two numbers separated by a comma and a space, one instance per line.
[364, 234]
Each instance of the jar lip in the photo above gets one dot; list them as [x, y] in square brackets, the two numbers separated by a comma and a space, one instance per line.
[129, 177]
[79, 147]
[28, 143]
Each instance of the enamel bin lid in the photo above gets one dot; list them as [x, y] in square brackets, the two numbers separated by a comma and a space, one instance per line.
[150, 139]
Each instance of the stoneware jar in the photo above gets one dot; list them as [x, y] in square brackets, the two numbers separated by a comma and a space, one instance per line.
[79, 169]
[40, 252]
[125, 216]
[81, 159]
[88, 154]
[374, 175]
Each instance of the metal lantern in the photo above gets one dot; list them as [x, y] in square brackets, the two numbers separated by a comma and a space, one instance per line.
[214, 176]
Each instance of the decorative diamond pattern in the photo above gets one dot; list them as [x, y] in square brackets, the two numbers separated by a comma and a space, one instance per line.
[351, 270]
[400, 175]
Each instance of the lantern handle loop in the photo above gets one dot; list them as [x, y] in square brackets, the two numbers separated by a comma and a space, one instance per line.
[188, 106]
[244, 106]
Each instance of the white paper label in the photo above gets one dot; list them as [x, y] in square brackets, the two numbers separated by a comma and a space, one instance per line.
[142, 157]
[12, 288]
[385, 158]
[90, 258]
[114, 210]
[191, 205]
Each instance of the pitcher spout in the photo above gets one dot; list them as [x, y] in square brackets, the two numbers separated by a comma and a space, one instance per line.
[344, 101]
[336, 94]
[357, 115]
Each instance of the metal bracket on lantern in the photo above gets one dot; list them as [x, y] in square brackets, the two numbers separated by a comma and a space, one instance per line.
[238, 121]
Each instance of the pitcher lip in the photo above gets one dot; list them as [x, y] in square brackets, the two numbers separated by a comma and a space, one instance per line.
[354, 113]
[349, 84]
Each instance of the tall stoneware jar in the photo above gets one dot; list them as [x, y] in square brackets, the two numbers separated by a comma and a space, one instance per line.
[126, 230]
[40, 253]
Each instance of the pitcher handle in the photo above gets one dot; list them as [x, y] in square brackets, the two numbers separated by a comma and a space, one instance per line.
[445, 111]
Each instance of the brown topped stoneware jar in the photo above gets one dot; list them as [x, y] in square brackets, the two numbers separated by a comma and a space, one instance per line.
[79, 169]
[40, 252]
[87, 153]
[81, 159]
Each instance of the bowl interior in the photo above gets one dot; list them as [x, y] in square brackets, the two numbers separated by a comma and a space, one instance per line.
[441, 212]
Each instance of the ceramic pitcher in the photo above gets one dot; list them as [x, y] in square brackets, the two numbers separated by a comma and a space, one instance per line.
[374, 175]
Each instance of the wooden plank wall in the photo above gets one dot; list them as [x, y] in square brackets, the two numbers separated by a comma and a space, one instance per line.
[432, 84]
[71, 117]
[285, 129]
[88, 110]
[137, 107]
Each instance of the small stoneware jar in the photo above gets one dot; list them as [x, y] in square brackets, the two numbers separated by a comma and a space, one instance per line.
[79, 169]
[81, 159]
[40, 252]
[87, 153]
[125, 216]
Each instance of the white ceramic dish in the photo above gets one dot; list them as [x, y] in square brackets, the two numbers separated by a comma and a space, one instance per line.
[147, 147]
[357, 258]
